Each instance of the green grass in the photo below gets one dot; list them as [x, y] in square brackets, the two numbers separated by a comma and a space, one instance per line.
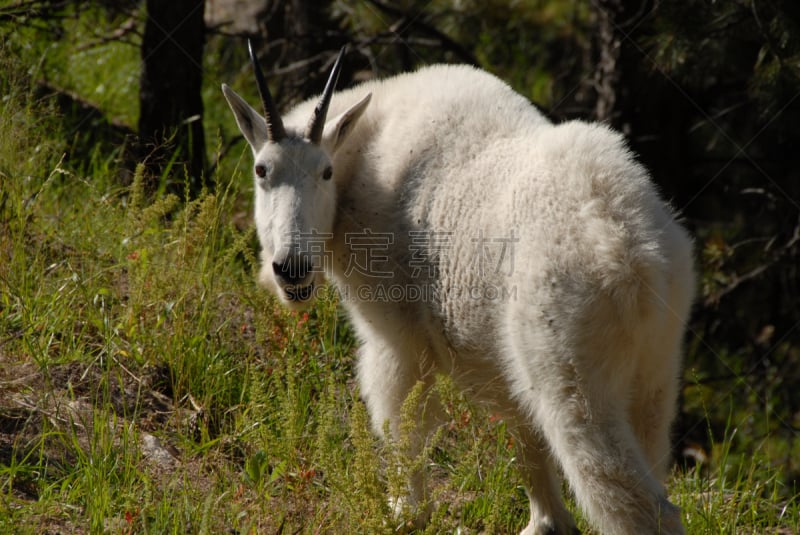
[127, 322]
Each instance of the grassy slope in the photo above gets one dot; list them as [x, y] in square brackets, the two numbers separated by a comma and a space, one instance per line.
[147, 385]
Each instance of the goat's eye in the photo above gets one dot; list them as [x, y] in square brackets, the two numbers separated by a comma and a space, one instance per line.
[261, 170]
[327, 173]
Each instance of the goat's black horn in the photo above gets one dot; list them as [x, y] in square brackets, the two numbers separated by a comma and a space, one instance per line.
[275, 130]
[317, 122]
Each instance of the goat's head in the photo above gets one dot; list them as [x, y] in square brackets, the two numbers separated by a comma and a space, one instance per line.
[295, 185]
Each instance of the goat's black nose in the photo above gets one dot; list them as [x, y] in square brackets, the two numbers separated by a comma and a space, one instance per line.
[293, 270]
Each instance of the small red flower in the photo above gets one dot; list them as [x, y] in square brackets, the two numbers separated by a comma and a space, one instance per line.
[303, 319]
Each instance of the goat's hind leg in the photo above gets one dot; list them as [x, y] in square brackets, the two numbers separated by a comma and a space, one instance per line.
[601, 457]
[542, 485]
[656, 384]
[652, 411]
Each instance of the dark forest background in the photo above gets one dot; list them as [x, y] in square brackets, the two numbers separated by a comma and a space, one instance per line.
[707, 92]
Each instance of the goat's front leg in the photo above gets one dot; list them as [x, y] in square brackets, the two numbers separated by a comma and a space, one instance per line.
[386, 378]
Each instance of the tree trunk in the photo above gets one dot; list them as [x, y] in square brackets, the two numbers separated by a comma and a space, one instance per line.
[606, 74]
[171, 107]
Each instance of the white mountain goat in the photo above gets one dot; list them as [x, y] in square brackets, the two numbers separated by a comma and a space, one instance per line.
[468, 235]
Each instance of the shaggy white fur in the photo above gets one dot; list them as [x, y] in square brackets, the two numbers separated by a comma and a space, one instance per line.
[534, 263]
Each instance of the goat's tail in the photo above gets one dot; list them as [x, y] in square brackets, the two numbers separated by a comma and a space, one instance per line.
[630, 260]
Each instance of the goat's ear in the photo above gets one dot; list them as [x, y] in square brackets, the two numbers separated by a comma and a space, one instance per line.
[338, 128]
[252, 125]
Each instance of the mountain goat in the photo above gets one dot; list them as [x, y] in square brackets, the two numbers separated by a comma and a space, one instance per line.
[468, 235]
